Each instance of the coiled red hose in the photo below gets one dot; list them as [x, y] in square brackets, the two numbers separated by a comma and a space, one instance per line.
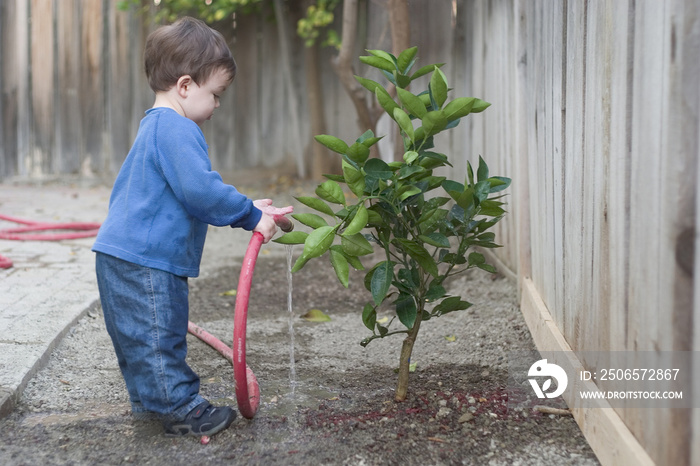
[84, 230]
[247, 387]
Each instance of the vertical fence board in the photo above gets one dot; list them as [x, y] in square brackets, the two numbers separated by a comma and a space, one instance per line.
[595, 326]
[42, 59]
[67, 157]
[573, 203]
[521, 153]
[15, 88]
[619, 171]
[92, 81]
[120, 85]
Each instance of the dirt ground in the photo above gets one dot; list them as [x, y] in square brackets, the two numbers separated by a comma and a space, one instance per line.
[339, 408]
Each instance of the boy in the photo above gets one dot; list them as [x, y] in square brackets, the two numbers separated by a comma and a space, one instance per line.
[163, 199]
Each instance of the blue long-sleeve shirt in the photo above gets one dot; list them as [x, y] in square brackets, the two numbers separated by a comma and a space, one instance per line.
[166, 194]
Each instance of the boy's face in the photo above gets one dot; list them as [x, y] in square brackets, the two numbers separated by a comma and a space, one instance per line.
[202, 100]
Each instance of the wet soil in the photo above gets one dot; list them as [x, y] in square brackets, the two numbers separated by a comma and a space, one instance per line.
[339, 409]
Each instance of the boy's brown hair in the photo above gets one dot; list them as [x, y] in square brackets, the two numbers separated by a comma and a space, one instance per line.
[186, 47]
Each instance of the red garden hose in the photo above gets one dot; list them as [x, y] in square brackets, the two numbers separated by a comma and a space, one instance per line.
[84, 230]
[247, 388]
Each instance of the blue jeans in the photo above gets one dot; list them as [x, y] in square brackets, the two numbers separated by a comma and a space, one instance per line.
[146, 313]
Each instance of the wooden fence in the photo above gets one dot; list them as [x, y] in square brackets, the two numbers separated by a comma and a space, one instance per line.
[595, 115]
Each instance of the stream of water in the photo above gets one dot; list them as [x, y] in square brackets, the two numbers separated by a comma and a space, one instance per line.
[292, 367]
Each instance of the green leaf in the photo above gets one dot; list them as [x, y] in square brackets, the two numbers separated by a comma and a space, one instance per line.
[482, 173]
[350, 173]
[408, 191]
[368, 84]
[438, 87]
[378, 62]
[422, 71]
[358, 152]
[451, 304]
[476, 258]
[491, 208]
[378, 168]
[354, 179]
[419, 254]
[402, 80]
[367, 282]
[335, 177]
[293, 237]
[498, 183]
[316, 204]
[430, 160]
[412, 103]
[404, 122]
[487, 267]
[406, 309]
[332, 142]
[435, 239]
[374, 218]
[452, 186]
[381, 281]
[405, 58]
[429, 223]
[318, 241]
[331, 191]
[382, 54]
[316, 315]
[458, 108]
[410, 157]
[470, 174]
[340, 265]
[369, 142]
[435, 292]
[300, 263]
[434, 122]
[310, 220]
[385, 100]
[356, 245]
[369, 316]
[407, 170]
[480, 106]
[359, 221]
[366, 135]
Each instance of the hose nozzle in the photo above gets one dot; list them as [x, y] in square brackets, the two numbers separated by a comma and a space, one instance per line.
[284, 223]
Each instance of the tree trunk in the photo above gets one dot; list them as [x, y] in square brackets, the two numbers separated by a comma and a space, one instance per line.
[405, 358]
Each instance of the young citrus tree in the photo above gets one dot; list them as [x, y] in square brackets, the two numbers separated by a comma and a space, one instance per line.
[425, 225]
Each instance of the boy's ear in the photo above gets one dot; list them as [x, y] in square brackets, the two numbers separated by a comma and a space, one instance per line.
[183, 84]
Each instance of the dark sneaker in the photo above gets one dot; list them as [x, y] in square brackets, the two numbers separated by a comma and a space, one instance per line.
[205, 419]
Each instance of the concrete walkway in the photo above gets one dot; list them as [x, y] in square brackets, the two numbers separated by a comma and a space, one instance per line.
[52, 283]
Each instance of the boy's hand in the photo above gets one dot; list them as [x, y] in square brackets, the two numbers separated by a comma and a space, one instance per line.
[266, 206]
[267, 227]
